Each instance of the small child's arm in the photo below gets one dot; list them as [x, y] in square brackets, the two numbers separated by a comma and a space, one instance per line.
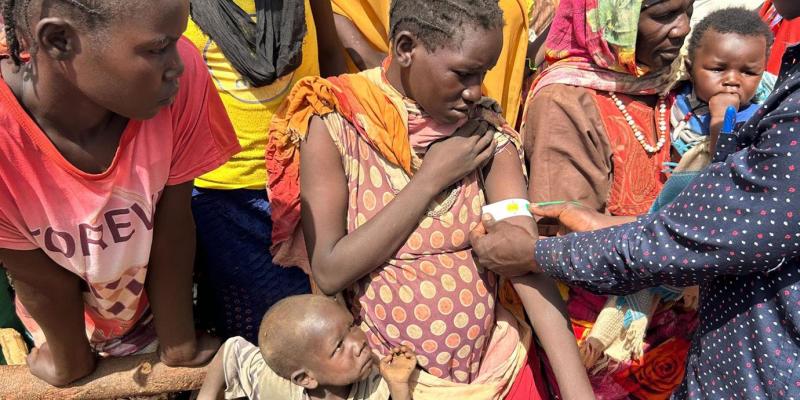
[547, 313]
[540, 297]
[716, 107]
[214, 385]
[396, 369]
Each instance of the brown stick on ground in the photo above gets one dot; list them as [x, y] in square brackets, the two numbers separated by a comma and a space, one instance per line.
[141, 375]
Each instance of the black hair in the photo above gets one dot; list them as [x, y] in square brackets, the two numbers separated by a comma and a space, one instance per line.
[731, 20]
[437, 22]
[17, 15]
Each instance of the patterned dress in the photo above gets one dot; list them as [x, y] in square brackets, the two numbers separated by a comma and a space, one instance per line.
[429, 296]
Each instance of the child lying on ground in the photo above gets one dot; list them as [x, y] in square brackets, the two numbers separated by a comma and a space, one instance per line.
[310, 348]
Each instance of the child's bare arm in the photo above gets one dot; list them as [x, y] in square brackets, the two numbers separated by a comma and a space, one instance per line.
[169, 281]
[547, 313]
[540, 297]
[52, 296]
[214, 385]
[505, 180]
[396, 369]
[339, 258]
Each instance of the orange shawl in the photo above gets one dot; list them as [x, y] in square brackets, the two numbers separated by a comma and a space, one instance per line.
[362, 103]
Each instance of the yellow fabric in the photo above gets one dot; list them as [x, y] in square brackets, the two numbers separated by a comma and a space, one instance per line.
[371, 17]
[503, 83]
[250, 109]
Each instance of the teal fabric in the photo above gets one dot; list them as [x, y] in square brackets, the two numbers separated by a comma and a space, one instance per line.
[672, 188]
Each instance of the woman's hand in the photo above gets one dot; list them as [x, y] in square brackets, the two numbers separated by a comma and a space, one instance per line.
[503, 248]
[575, 217]
[449, 160]
[191, 354]
[43, 365]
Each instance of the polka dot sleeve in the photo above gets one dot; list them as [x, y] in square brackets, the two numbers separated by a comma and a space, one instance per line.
[740, 216]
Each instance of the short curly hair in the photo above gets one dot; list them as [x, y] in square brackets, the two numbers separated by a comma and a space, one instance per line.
[436, 23]
[730, 20]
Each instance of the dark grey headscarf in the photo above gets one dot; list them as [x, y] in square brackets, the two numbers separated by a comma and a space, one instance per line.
[261, 51]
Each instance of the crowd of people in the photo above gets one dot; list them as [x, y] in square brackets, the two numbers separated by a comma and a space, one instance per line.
[302, 195]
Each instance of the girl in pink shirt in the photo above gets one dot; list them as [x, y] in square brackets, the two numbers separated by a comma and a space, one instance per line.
[101, 133]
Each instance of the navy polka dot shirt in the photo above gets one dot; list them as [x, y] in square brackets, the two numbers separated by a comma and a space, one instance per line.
[735, 231]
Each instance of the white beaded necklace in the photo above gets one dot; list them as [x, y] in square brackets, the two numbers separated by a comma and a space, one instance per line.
[662, 123]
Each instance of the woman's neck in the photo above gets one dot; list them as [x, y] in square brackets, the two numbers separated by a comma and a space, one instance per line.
[651, 99]
[55, 104]
[398, 77]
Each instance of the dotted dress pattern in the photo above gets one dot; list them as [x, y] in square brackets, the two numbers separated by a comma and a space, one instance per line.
[430, 296]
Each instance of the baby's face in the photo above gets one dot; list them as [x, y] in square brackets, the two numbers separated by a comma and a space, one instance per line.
[337, 352]
[728, 63]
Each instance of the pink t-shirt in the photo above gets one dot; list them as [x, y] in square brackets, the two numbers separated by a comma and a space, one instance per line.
[100, 226]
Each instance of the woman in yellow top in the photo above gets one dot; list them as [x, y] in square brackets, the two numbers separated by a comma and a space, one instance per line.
[255, 55]
[363, 27]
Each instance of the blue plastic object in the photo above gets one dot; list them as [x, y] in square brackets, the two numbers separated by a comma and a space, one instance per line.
[729, 122]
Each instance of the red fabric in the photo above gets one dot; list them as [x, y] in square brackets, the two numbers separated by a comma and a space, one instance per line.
[787, 33]
[530, 383]
[637, 175]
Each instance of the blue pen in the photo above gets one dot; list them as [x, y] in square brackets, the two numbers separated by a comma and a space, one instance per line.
[729, 122]
[727, 140]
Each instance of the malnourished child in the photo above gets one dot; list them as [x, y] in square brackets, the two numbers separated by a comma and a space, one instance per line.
[309, 349]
